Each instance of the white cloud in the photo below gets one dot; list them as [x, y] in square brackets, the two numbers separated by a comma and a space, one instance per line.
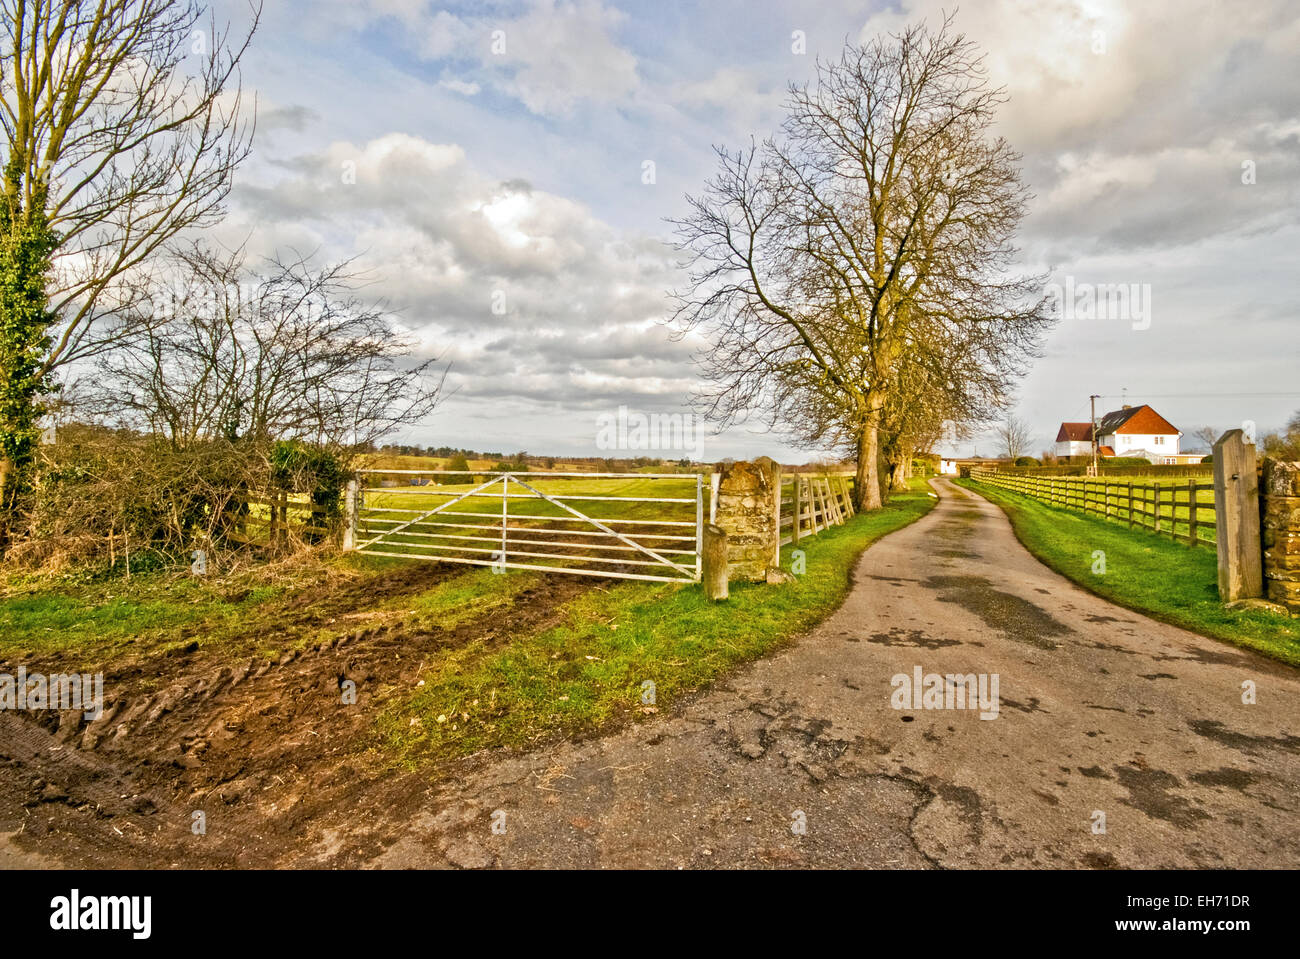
[444, 243]
[550, 56]
[462, 87]
[564, 52]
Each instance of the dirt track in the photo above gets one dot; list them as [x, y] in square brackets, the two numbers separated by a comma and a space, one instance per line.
[1100, 710]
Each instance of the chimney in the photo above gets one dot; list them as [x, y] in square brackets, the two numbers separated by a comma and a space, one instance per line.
[1127, 406]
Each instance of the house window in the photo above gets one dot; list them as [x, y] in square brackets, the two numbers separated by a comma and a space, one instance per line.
[1160, 441]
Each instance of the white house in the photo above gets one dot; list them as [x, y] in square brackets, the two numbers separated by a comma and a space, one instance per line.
[1129, 431]
[1139, 431]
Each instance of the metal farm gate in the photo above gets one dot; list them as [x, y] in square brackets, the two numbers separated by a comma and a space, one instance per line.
[592, 524]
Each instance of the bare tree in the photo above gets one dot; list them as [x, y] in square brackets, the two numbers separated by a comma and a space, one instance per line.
[123, 125]
[291, 354]
[1207, 436]
[1015, 437]
[881, 218]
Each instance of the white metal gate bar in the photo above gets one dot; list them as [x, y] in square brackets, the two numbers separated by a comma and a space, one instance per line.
[430, 513]
[596, 523]
[669, 546]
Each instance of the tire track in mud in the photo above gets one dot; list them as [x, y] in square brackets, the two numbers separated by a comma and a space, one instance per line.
[261, 746]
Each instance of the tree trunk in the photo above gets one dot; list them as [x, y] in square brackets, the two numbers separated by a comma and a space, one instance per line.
[867, 495]
[899, 472]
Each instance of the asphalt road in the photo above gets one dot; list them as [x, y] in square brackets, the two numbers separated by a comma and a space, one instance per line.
[801, 760]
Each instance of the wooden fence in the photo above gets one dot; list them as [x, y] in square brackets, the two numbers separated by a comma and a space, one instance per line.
[1148, 471]
[274, 517]
[811, 503]
[1181, 509]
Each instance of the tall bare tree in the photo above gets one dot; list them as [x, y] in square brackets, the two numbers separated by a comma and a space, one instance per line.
[123, 127]
[882, 216]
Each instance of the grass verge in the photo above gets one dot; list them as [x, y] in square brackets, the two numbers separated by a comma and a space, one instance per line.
[588, 673]
[1168, 581]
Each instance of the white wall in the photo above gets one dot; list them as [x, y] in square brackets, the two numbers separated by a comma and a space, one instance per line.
[1073, 448]
[1122, 443]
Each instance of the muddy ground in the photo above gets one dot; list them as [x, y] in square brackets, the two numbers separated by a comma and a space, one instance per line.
[263, 748]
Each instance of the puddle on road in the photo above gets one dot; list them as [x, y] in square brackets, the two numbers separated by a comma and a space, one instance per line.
[1018, 619]
[1243, 742]
[1226, 776]
[1149, 791]
[898, 636]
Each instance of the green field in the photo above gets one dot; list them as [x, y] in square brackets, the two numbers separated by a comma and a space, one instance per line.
[1166, 580]
[488, 502]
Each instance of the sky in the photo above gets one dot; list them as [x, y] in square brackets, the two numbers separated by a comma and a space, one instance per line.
[503, 174]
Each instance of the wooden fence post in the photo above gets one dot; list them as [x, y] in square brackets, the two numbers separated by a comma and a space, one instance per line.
[848, 497]
[797, 509]
[1191, 511]
[350, 515]
[831, 502]
[714, 567]
[1236, 518]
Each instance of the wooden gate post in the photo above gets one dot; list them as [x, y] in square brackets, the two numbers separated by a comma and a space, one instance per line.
[1236, 518]
[776, 515]
[350, 515]
[714, 574]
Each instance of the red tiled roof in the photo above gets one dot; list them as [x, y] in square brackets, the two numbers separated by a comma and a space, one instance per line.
[1075, 432]
[1105, 451]
[1135, 419]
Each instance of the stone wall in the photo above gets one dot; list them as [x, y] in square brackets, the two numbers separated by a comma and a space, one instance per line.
[1280, 532]
[748, 500]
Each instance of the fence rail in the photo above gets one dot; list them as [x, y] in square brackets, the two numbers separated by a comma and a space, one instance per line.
[810, 503]
[1180, 509]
